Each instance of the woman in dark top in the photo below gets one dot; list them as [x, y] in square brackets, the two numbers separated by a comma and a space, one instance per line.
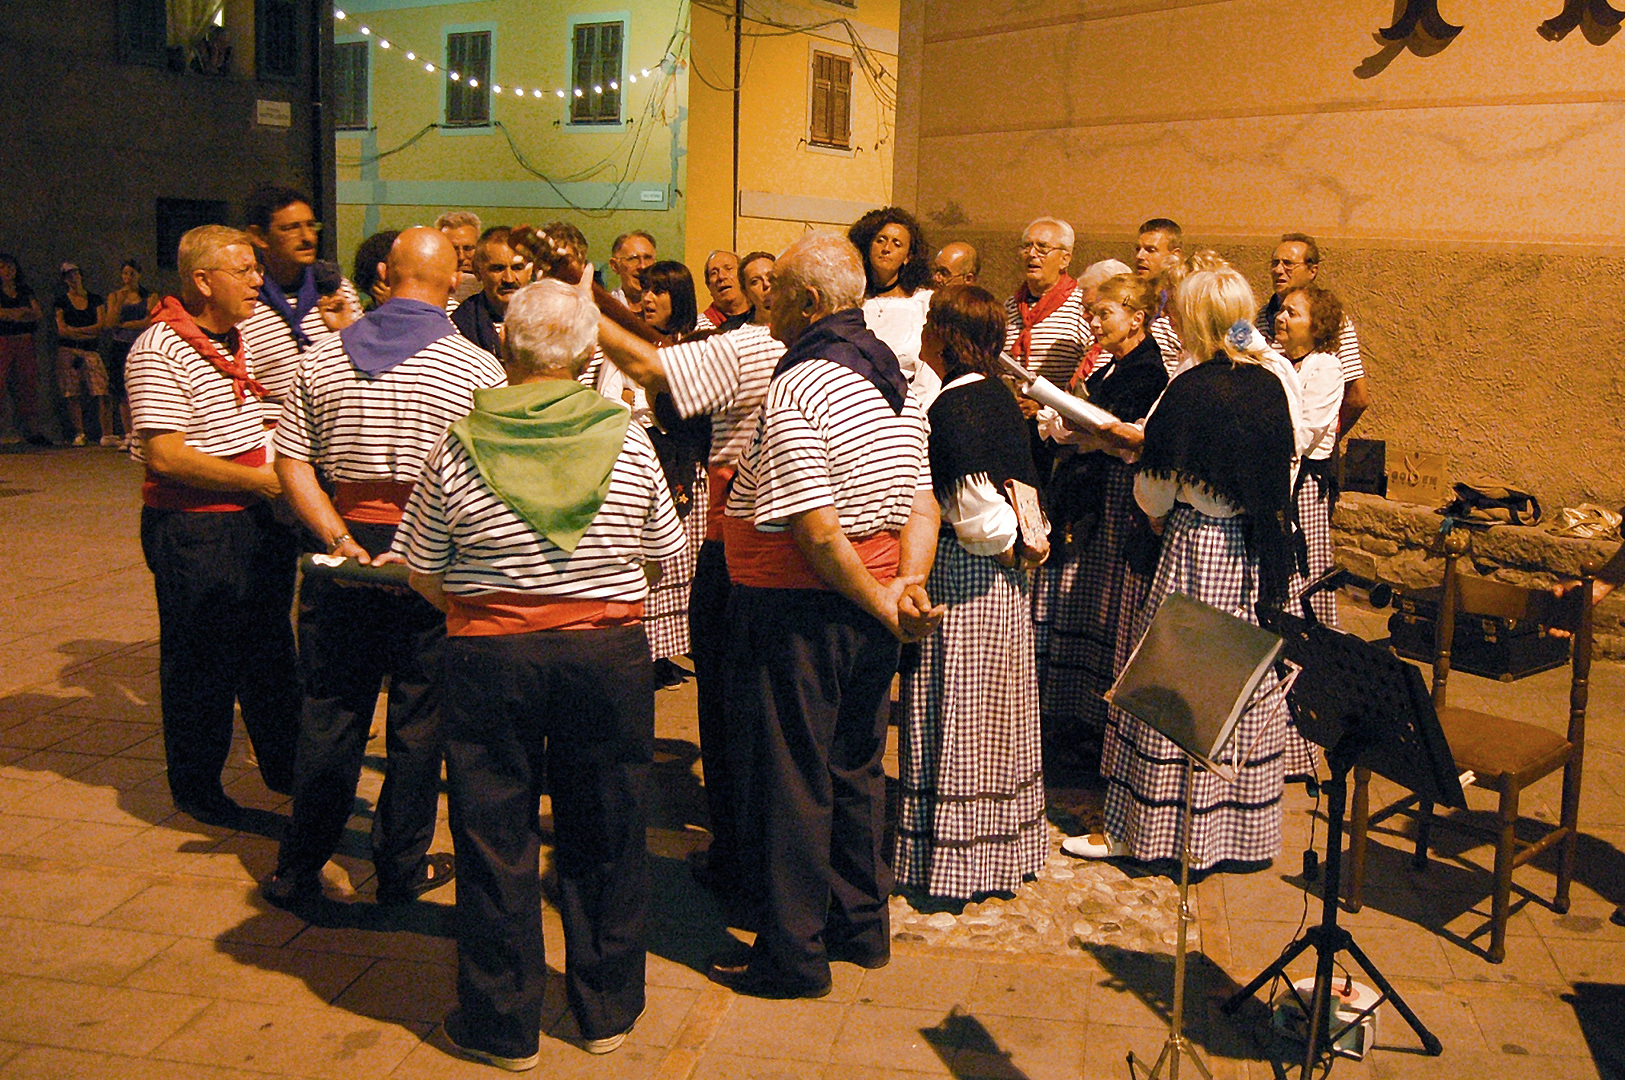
[1104, 567]
[19, 318]
[128, 311]
[79, 365]
[971, 816]
[1215, 480]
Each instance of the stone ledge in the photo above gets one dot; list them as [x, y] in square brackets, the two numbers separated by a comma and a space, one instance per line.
[1398, 543]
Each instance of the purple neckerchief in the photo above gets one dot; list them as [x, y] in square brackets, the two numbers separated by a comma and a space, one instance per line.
[305, 297]
[845, 339]
[392, 332]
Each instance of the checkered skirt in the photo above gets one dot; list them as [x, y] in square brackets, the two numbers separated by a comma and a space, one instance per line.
[1088, 587]
[665, 615]
[1315, 526]
[1206, 559]
[971, 818]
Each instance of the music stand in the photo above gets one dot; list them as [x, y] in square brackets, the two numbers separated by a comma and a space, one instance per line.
[1366, 707]
[1190, 678]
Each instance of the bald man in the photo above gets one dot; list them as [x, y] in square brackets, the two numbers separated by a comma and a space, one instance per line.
[730, 307]
[364, 410]
[956, 264]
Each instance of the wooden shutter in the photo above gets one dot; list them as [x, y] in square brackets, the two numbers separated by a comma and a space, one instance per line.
[469, 55]
[831, 100]
[276, 43]
[350, 85]
[596, 61]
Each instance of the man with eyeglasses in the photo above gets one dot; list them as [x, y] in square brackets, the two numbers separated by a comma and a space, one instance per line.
[1296, 263]
[207, 529]
[630, 255]
[502, 272]
[1048, 327]
[956, 264]
[287, 323]
[462, 228]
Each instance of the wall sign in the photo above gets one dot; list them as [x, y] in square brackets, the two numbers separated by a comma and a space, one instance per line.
[276, 114]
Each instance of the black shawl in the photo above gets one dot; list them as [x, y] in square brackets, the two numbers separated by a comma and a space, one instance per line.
[1226, 426]
[476, 320]
[1126, 388]
[978, 430]
[844, 338]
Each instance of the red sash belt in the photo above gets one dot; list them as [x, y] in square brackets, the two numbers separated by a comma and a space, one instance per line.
[718, 478]
[162, 493]
[371, 502]
[771, 560]
[493, 614]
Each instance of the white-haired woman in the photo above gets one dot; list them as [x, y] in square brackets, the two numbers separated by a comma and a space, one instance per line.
[1215, 479]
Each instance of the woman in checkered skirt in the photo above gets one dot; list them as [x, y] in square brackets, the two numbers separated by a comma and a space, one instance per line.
[1109, 552]
[1306, 330]
[1215, 478]
[971, 819]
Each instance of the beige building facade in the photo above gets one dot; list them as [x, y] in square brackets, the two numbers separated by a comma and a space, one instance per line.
[1465, 192]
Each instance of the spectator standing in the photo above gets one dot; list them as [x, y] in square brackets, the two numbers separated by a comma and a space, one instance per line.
[19, 364]
[128, 312]
[79, 366]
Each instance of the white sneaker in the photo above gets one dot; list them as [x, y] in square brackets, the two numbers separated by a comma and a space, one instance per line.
[109, 440]
[1094, 846]
[80, 440]
[613, 1042]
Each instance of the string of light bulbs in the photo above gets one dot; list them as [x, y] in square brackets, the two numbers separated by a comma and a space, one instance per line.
[534, 93]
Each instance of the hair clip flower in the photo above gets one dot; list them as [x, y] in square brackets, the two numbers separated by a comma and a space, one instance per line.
[1240, 335]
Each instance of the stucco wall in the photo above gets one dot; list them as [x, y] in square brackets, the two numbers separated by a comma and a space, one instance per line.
[1461, 194]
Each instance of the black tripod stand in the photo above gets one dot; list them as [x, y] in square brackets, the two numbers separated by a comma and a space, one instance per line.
[1366, 707]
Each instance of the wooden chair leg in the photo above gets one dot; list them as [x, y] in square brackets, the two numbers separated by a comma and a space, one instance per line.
[1424, 833]
[1501, 901]
[1570, 820]
[1359, 830]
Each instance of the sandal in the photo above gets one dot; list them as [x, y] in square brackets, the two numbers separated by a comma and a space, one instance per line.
[435, 870]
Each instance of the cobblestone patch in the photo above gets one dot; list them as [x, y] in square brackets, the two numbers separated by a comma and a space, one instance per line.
[1070, 905]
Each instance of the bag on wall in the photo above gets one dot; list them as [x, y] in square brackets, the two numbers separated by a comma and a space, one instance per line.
[1588, 521]
[1492, 502]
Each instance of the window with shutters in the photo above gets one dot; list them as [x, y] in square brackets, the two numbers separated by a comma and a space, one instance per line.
[595, 72]
[276, 39]
[143, 36]
[350, 85]
[831, 101]
[468, 98]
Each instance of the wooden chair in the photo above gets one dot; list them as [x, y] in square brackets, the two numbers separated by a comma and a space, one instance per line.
[1505, 755]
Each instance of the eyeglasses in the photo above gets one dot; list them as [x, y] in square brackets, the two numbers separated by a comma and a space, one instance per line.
[291, 227]
[247, 273]
[1287, 264]
[1043, 251]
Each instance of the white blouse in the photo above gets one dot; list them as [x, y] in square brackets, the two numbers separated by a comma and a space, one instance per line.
[898, 321]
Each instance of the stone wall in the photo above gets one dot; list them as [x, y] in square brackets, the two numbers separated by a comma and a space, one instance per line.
[1398, 543]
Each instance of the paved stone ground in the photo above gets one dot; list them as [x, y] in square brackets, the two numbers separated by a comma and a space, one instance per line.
[133, 944]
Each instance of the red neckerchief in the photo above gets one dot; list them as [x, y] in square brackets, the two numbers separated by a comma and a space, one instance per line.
[1032, 314]
[177, 318]
[1086, 367]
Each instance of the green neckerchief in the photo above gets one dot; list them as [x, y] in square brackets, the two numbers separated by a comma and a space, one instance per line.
[546, 448]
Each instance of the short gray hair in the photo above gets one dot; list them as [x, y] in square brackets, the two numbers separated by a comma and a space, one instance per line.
[457, 219]
[200, 248]
[1097, 273]
[550, 325]
[1067, 235]
[828, 263]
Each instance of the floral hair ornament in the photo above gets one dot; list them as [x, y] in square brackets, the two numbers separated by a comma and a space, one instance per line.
[1240, 336]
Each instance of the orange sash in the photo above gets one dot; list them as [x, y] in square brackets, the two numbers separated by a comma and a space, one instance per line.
[497, 613]
[771, 560]
[371, 502]
[162, 493]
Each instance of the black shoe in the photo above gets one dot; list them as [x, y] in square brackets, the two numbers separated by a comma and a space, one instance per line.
[435, 870]
[669, 675]
[458, 1036]
[288, 889]
[37, 439]
[855, 954]
[733, 971]
[218, 810]
[1618, 917]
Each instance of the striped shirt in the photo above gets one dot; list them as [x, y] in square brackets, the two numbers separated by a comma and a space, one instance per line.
[172, 388]
[1348, 342]
[1059, 340]
[725, 375]
[1167, 339]
[357, 429]
[827, 438]
[454, 524]
[276, 351]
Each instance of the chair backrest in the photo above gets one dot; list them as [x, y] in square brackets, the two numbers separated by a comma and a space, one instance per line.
[1469, 594]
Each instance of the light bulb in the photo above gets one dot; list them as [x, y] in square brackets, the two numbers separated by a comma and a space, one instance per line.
[455, 77]
[613, 85]
[631, 78]
[495, 89]
[473, 84]
[410, 55]
[366, 29]
[535, 93]
[428, 67]
[578, 91]
[597, 89]
[383, 43]
[337, 14]
[560, 93]
[645, 73]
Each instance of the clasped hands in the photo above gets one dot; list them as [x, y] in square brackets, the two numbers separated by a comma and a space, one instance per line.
[915, 617]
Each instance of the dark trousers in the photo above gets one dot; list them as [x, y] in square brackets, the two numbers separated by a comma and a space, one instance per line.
[811, 674]
[224, 583]
[580, 702]
[735, 854]
[350, 637]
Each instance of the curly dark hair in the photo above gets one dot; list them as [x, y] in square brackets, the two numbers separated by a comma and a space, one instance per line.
[1325, 317]
[368, 254]
[915, 272]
